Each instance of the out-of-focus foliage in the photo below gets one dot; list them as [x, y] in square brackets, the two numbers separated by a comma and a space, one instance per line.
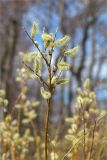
[86, 127]
[20, 136]
[17, 127]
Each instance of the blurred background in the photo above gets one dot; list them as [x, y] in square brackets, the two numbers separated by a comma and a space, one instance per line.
[84, 20]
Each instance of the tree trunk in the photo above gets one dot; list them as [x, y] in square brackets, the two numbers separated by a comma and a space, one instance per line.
[7, 62]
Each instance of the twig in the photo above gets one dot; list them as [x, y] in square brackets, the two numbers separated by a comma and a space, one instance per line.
[46, 129]
[36, 138]
[36, 45]
[49, 106]
[92, 144]
[12, 152]
[71, 148]
[84, 150]
[40, 78]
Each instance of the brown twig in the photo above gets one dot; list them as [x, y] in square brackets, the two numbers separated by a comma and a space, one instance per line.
[36, 45]
[93, 135]
[40, 78]
[49, 106]
[12, 152]
[36, 139]
[46, 129]
[84, 139]
[84, 128]
[20, 109]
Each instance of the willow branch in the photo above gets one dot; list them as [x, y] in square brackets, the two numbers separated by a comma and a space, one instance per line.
[39, 77]
[36, 45]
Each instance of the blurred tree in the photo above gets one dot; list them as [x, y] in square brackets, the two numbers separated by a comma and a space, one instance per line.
[11, 15]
